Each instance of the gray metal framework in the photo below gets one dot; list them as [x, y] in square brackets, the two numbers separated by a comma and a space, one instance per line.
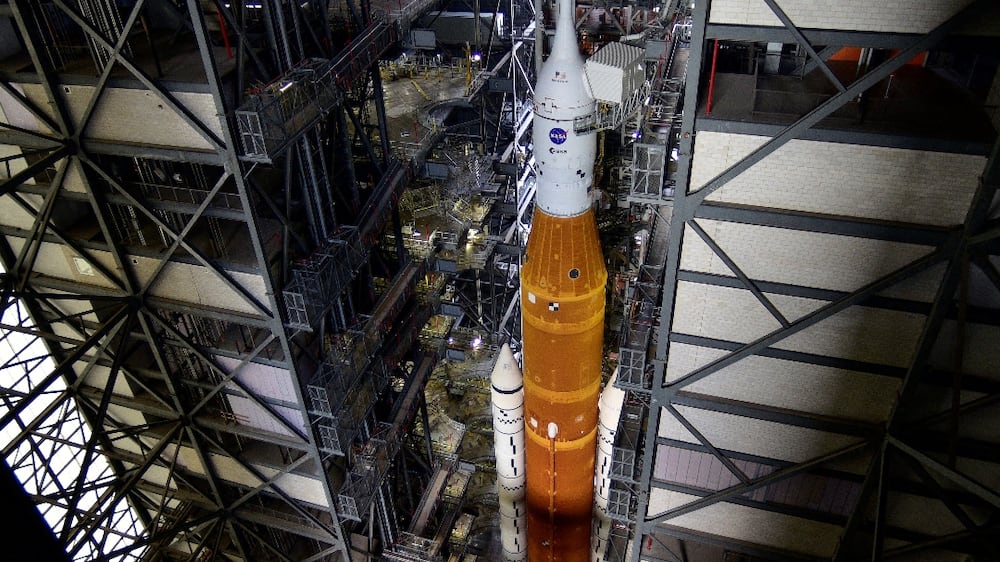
[141, 360]
[896, 442]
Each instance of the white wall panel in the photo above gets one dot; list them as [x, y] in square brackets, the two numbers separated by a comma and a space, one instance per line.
[306, 489]
[127, 115]
[900, 16]
[250, 413]
[808, 259]
[56, 260]
[842, 179]
[263, 380]
[886, 337]
[860, 333]
[982, 349]
[801, 387]
[198, 284]
[753, 436]
[720, 312]
[751, 525]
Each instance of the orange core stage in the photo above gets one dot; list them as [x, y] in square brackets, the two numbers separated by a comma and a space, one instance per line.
[562, 302]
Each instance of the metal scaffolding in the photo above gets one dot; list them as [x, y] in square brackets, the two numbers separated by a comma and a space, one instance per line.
[902, 466]
[209, 258]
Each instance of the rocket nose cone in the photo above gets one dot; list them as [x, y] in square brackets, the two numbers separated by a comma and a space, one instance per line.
[506, 376]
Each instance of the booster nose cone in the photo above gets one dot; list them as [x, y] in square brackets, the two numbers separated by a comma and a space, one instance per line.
[506, 376]
[610, 405]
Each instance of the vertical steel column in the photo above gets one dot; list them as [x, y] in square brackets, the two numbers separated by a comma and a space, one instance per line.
[683, 211]
[275, 322]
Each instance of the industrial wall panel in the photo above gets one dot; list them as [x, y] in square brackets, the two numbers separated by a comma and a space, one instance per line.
[159, 476]
[992, 104]
[808, 259]
[262, 380]
[138, 116]
[981, 424]
[251, 414]
[701, 469]
[684, 359]
[198, 284]
[983, 292]
[917, 287]
[791, 385]
[752, 436]
[879, 336]
[59, 261]
[13, 163]
[901, 16]
[873, 335]
[129, 417]
[99, 377]
[983, 472]
[14, 112]
[306, 489]
[73, 181]
[888, 184]
[81, 309]
[754, 526]
[982, 338]
[721, 313]
[922, 515]
[302, 488]
[183, 282]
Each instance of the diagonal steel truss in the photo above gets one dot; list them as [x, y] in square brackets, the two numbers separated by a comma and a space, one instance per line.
[894, 442]
[113, 371]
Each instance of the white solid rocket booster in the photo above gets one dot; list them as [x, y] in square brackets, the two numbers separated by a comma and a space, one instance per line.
[507, 394]
[610, 406]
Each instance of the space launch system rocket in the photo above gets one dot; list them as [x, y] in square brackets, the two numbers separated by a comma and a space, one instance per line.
[547, 506]
[563, 282]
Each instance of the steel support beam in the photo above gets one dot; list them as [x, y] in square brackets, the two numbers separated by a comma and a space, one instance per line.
[824, 312]
[826, 224]
[837, 101]
[827, 424]
[766, 506]
[849, 136]
[814, 57]
[683, 207]
[880, 302]
[743, 488]
[728, 544]
[947, 472]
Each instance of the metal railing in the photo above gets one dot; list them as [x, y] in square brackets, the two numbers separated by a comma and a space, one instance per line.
[276, 114]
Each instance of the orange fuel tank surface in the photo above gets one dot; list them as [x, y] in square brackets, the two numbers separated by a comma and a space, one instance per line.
[562, 301]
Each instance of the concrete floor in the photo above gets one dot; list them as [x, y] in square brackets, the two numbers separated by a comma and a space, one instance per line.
[410, 94]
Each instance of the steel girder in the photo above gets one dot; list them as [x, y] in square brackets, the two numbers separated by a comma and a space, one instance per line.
[114, 325]
[882, 483]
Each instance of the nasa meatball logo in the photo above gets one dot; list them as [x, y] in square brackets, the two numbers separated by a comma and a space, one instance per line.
[557, 135]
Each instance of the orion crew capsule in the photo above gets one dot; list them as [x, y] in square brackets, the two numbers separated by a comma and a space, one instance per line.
[562, 302]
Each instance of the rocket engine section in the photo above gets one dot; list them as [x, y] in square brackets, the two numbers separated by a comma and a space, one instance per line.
[562, 302]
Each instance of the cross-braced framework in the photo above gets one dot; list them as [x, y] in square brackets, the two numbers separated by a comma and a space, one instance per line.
[823, 365]
[154, 390]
